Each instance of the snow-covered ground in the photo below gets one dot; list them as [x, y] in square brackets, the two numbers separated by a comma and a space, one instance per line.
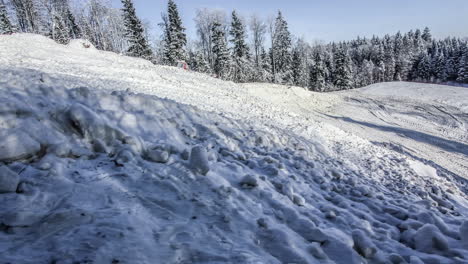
[109, 159]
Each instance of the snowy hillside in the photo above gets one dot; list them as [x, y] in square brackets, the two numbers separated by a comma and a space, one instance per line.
[110, 159]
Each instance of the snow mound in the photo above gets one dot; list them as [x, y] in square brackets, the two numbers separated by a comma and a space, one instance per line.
[113, 160]
[81, 44]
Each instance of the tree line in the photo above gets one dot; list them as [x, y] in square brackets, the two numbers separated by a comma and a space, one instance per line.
[244, 50]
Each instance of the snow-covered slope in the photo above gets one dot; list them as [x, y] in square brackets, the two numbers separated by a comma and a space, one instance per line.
[426, 122]
[109, 159]
[445, 94]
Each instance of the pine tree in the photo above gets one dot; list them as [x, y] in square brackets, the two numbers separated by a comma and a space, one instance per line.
[240, 52]
[198, 63]
[300, 69]
[317, 74]
[134, 33]
[389, 59]
[281, 51]
[426, 36]
[366, 74]
[265, 66]
[452, 63]
[439, 68]
[424, 68]
[60, 31]
[220, 52]
[176, 39]
[74, 28]
[5, 24]
[463, 67]
[342, 74]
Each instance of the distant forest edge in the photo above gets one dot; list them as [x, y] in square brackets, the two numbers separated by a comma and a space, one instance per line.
[234, 48]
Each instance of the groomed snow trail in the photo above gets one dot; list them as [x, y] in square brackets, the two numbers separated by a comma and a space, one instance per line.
[109, 159]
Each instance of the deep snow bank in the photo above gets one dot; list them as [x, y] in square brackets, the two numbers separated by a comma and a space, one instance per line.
[111, 176]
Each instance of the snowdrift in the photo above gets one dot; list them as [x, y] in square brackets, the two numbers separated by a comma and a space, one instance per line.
[108, 159]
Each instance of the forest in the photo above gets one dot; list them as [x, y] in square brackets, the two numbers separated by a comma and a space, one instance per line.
[243, 48]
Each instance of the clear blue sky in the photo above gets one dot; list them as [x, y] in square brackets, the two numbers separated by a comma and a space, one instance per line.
[331, 20]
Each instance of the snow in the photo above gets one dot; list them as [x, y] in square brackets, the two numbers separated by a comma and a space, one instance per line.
[17, 145]
[9, 180]
[116, 160]
[449, 95]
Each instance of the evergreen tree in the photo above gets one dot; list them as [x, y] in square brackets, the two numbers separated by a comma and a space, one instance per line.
[265, 66]
[379, 69]
[423, 72]
[74, 28]
[220, 52]
[5, 24]
[439, 68]
[281, 51]
[297, 68]
[240, 51]
[389, 59]
[463, 67]
[198, 63]
[426, 36]
[176, 39]
[60, 31]
[342, 74]
[317, 74]
[452, 66]
[134, 33]
[365, 76]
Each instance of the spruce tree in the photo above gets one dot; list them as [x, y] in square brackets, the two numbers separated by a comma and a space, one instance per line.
[366, 74]
[175, 38]
[342, 74]
[439, 68]
[463, 67]
[317, 74]
[299, 68]
[281, 51]
[426, 36]
[74, 28]
[220, 51]
[60, 31]
[452, 65]
[424, 68]
[240, 51]
[134, 32]
[5, 24]
[197, 62]
[265, 63]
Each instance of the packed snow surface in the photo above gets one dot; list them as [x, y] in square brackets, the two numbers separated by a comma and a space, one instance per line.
[109, 159]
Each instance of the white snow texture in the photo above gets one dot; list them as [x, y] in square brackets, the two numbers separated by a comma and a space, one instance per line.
[110, 159]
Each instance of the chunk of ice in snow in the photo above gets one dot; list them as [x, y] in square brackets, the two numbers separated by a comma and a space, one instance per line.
[199, 160]
[298, 200]
[249, 181]
[363, 244]
[158, 155]
[340, 252]
[91, 126]
[9, 180]
[428, 239]
[16, 145]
